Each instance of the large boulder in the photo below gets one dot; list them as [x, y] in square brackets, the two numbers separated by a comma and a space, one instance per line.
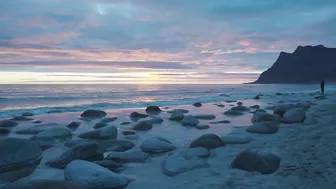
[116, 146]
[106, 133]
[21, 118]
[281, 109]
[184, 160]
[142, 126]
[156, 120]
[264, 116]
[54, 133]
[42, 184]
[4, 131]
[153, 109]
[265, 127]
[74, 125]
[208, 141]
[176, 117]
[205, 116]
[190, 121]
[37, 129]
[131, 156]
[157, 145]
[86, 151]
[296, 115]
[8, 123]
[111, 165]
[18, 158]
[248, 160]
[197, 104]
[93, 176]
[93, 114]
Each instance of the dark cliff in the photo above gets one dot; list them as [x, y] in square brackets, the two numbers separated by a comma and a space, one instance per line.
[309, 64]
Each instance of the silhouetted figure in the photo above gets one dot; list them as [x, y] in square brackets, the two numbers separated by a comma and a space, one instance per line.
[322, 86]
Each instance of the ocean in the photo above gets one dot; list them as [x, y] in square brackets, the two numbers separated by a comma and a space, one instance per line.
[46, 99]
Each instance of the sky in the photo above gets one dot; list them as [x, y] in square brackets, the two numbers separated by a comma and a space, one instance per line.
[155, 41]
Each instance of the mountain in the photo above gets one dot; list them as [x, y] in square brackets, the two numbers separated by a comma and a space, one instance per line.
[308, 64]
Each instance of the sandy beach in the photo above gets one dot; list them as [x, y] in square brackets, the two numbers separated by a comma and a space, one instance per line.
[305, 149]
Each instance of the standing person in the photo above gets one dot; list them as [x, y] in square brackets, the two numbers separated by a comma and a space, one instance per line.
[322, 86]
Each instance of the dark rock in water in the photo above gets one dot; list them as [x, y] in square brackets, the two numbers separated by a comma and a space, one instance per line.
[256, 97]
[138, 115]
[218, 122]
[18, 158]
[53, 133]
[265, 127]
[100, 125]
[93, 114]
[220, 105]
[248, 160]
[229, 101]
[157, 145]
[197, 104]
[176, 117]
[86, 151]
[224, 95]
[156, 120]
[190, 121]
[202, 127]
[264, 116]
[296, 115]
[239, 103]
[206, 116]
[233, 113]
[128, 132]
[184, 160]
[108, 120]
[36, 129]
[208, 141]
[133, 156]
[236, 139]
[42, 184]
[74, 125]
[175, 111]
[142, 126]
[106, 133]
[117, 145]
[280, 109]
[72, 143]
[240, 109]
[4, 130]
[125, 123]
[278, 94]
[153, 109]
[255, 107]
[8, 123]
[37, 121]
[27, 114]
[93, 176]
[21, 118]
[53, 111]
[44, 144]
[111, 165]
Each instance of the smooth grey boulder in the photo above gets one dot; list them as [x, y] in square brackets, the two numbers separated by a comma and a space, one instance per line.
[239, 103]
[21, 118]
[18, 158]
[153, 109]
[202, 127]
[296, 115]
[37, 129]
[264, 116]
[190, 121]
[74, 125]
[240, 108]
[44, 144]
[138, 115]
[128, 132]
[248, 160]
[108, 119]
[206, 116]
[42, 184]
[53, 133]
[93, 114]
[106, 133]
[197, 104]
[4, 131]
[208, 141]
[184, 160]
[265, 127]
[157, 145]
[255, 107]
[27, 114]
[37, 121]
[156, 120]
[176, 117]
[86, 151]
[142, 126]
[93, 176]
[175, 111]
[280, 109]
[233, 113]
[8, 123]
[100, 125]
[131, 156]
[236, 139]
[117, 145]
[111, 165]
[220, 105]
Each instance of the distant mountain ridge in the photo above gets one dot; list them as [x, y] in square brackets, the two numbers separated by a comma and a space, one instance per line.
[308, 64]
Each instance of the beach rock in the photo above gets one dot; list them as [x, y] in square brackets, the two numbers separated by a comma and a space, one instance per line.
[74, 125]
[138, 115]
[202, 127]
[197, 104]
[280, 109]
[175, 111]
[236, 139]
[86, 151]
[208, 141]
[233, 113]
[111, 165]
[93, 114]
[256, 97]
[142, 126]
[220, 105]
[106, 133]
[18, 158]
[21, 118]
[153, 109]
[8, 123]
[184, 160]
[118, 145]
[226, 95]
[4, 131]
[27, 114]
[255, 107]
[248, 160]
[239, 103]
[230, 101]
[100, 125]
[190, 121]
[176, 117]
[42, 184]
[132, 156]
[72, 143]
[53, 133]
[260, 110]
[44, 144]
[128, 132]
[264, 116]
[321, 97]
[157, 145]
[296, 115]
[265, 127]
[93, 176]
[108, 119]
[126, 123]
[219, 122]
[37, 129]
[240, 109]
[37, 121]
[156, 120]
[206, 116]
